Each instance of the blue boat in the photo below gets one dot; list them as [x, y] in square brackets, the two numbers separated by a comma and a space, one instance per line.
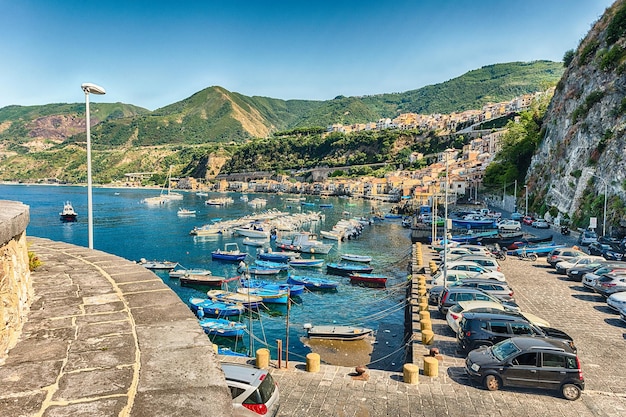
[326, 205]
[347, 269]
[272, 265]
[208, 308]
[269, 296]
[231, 253]
[282, 257]
[539, 249]
[222, 327]
[271, 285]
[475, 224]
[312, 283]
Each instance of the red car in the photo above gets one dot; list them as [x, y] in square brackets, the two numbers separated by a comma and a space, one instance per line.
[528, 220]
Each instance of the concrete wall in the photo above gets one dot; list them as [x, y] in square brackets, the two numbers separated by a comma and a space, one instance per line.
[16, 291]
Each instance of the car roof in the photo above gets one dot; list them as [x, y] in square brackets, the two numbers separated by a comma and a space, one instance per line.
[471, 304]
[503, 316]
[246, 374]
[485, 281]
[529, 342]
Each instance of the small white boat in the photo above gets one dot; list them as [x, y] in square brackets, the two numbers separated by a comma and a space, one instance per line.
[356, 258]
[306, 263]
[177, 273]
[202, 194]
[157, 265]
[183, 212]
[254, 242]
[337, 332]
[68, 214]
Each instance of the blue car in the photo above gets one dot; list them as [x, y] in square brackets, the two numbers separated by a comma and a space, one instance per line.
[517, 216]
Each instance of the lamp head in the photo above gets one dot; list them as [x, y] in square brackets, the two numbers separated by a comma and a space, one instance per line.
[92, 88]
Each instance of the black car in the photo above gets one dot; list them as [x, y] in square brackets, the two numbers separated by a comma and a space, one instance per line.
[486, 329]
[615, 253]
[577, 273]
[532, 362]
[598, 248]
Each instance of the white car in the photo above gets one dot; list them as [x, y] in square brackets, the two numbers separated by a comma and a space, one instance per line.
[454, 276]
[474, 267]
[510, 225]
[455, 313]
[617, 301]
[563, 266]
[590, 278]
[455, 253]
[477, 249]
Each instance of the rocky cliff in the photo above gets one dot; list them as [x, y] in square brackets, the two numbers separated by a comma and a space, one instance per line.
[582, 153]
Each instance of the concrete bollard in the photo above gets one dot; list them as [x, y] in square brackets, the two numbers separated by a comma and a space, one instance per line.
[422, 299]
[423, 306]
[431, 366]
[428, 337]
[312, 362]
[262, 358]
[426, 324]
[424, 315]
[433, 267]
[410, 373]
[421, 290]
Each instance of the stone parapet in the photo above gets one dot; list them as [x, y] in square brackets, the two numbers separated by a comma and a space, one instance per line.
[16, 291]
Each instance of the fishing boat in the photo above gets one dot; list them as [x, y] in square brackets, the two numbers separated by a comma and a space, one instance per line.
[269, 296]
[312, 283]
[202, 281]
[368, 280]
[183, 212]
[252, 231]
[304, 242]
[208, 230]
[524, 241]
[347, 269]
[261, 270]
[356, 258]
[202, 194]
[204, 307]
[326, 205]
[248, 241]
[337, 332]
[475, 223]
[68, 214]
[539, 249]
[248, 300]
[306, 263]
[222, 327]
[177, 273]
[231, 253]
[283, 257]
[157, 265]
[272, 265]
[294, 289]
[393, 216]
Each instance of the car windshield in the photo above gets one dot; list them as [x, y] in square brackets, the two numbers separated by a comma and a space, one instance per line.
[504, 349]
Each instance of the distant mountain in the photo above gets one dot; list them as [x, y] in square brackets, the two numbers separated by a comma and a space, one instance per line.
[36, 137]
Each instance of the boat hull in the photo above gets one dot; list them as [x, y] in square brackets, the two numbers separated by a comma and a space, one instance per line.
[347, 270]
[338, 332]
[369, 280]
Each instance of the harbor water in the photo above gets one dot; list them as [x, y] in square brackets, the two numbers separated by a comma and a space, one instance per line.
[128, 228]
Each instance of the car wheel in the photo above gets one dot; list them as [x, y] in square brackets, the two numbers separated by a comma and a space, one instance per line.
[532, 257]
[518, 229]
[492, 383]
[570, 392]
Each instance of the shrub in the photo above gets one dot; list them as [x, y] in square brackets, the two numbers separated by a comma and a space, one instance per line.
[33, 261]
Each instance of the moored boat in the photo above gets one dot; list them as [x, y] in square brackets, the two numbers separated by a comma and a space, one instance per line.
[356, 258]
[254, 242]
[294, 289]
[183, 212]
[157, 265]
[248, 300]
[204, 307]
[202, 281]
[222, 327]
[283, 257]
[368, 280]
[231, 253]
[337, 332]
[269, 296]
[312, 283]
[177, 273]
[347, 269]
[306, 263]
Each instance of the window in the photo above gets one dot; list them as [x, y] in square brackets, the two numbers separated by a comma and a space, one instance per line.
[526, 359]
[499, 327]
[236, 391]
[521, 329]
[553, 360]
[483, 297]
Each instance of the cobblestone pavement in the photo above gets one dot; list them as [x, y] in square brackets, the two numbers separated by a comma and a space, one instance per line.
[597, 332]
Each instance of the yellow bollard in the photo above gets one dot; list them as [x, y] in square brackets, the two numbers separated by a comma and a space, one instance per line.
[428, 337]
[262, 358]
[423, 306]
[431, 366]
[410, 373]
[424, 315]
[426, 324]
[422, 299]
[312, 362]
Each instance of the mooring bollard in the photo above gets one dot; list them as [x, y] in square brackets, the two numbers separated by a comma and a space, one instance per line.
[431, 366]
[262, 358]
[428, 337]
[312, 362]
[410, 373]
[426, 324]
[424, 315]
[423, 306]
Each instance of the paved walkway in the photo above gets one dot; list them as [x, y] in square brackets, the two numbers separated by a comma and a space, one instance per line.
[106, 337]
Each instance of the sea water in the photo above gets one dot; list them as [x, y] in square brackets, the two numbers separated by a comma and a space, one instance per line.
[126, 227]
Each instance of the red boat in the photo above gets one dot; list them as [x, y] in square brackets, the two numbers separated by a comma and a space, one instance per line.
[368, 280]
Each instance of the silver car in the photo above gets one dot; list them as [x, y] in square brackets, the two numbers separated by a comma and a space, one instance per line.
[253, 390]
[617, 301]
[590, 278]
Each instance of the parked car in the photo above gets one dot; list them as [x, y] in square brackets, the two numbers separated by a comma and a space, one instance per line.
[622, 314]
[487, 329]
[562, 254]
[498, 289]
[617, 301]
[477, 249]
[516, 216]
[253, 390]
[610, 283]
[474, 267]
[510, 225]
[528, 220]
[455, 313]
[577, 273]
[615, 253]
[590, 278]
[452, 295]
[563, 266]
[487, 262]
[528, 362]
[587, 237]
[453, 276]
[540, 224]
[597, 248]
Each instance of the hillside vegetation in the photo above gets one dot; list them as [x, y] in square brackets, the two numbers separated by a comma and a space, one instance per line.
[48, 141]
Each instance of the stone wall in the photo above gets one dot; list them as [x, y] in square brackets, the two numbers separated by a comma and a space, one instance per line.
[16, 290]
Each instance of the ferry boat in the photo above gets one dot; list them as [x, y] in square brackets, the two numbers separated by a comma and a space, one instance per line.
[68, 214]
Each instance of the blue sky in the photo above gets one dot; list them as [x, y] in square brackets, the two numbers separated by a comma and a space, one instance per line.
[154, 53]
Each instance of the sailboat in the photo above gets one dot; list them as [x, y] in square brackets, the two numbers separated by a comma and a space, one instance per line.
[163, 197]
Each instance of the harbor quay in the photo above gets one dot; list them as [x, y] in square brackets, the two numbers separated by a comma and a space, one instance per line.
[105, 337]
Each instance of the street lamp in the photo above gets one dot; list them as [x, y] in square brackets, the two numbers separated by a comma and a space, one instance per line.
[606, 192]
[526, 193]
[93, 89]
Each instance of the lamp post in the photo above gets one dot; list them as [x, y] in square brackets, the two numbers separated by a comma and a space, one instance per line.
[606, 192]
[93, 89]
[526, 193]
